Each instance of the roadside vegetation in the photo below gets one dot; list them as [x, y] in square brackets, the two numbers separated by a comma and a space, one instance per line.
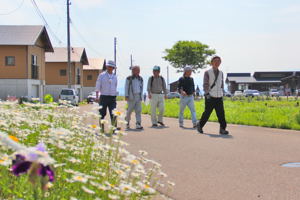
[264, 112]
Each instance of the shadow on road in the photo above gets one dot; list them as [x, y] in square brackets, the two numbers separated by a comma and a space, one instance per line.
[159, 127]
[134, 130]
[186, 128]
[219, 136]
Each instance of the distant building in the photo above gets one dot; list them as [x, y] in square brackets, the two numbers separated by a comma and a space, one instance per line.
[292, 82]
[22, 60]
[90, 75]
[174, 86]
[57, 70]
[261, 81]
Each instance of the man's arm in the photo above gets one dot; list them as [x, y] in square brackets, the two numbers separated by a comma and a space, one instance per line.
[126, 89]
[165, 87]
[223, 83]
[193, 86]
[149, 88]
[98, 86]
[206, 83]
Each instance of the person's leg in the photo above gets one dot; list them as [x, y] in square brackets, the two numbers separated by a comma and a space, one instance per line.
[221, 113]
[153, 102]
[209, 106]
[138, 112]
[161, 108]
[130, 108]
[103, 104]
[111, 106]
[191, 106]
[183, 103]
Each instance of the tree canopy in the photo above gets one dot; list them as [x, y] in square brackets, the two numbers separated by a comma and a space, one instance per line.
[192, 53]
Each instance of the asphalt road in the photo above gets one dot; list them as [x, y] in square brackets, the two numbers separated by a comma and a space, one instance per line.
[245, 165]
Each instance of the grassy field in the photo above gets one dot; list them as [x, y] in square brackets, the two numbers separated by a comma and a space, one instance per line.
[268, 113]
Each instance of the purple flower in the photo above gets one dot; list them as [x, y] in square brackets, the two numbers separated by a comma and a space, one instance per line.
[21, 166]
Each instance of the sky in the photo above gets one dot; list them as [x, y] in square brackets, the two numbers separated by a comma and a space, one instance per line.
[249, 35]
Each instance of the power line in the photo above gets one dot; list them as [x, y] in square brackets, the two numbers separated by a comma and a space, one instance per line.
[40, 14]
[14, 10]
[83, 39]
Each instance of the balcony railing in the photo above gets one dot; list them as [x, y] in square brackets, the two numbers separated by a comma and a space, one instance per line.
[34, 72]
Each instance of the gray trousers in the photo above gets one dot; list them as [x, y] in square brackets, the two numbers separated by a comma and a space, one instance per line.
[136, 105]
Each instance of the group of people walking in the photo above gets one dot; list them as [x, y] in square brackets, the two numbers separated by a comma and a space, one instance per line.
[213, 85]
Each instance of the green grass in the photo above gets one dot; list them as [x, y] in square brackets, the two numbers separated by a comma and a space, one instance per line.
[275, 114]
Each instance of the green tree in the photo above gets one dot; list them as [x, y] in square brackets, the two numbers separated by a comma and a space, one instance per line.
[193, 53]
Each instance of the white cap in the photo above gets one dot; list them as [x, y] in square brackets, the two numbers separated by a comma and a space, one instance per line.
[188, 68]
[111, 63]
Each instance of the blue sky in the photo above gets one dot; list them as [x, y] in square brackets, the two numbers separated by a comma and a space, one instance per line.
[250, 35]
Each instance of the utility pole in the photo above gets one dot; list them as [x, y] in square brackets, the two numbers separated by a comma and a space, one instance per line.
[168, 77]
[69, 45]
[131, 60]
[115, 53]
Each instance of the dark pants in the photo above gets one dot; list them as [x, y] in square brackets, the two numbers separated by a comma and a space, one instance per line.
[110, 103]
[210, 105]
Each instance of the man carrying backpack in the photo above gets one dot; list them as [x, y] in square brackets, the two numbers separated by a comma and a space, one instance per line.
[157, 92]
[213, 86]
[133, 96]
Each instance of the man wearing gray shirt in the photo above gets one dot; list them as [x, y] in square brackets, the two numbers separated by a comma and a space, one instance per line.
[157, 92]
[133, 96]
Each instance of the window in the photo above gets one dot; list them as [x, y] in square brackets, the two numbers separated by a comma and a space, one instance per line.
[90, 77]
[63, 72]
[34, 67]
[34, 60]
[10, 61]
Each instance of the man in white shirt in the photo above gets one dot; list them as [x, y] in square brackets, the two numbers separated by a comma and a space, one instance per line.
[106, 85]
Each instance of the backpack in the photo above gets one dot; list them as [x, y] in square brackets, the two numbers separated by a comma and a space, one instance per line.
[162, 79]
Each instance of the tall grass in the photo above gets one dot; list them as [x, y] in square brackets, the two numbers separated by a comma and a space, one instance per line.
[275, 114]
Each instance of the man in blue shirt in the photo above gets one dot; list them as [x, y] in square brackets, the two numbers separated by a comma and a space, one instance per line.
[106, 85]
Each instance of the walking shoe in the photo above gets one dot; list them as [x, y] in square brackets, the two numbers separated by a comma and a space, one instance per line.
[154, 125]
[181, 126]
[160, 123]
[223, 131]
[127, 126]
[195, 125]
[138, 126]
[199, 128]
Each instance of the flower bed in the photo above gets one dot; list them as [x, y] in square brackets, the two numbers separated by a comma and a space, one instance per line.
[49, 152]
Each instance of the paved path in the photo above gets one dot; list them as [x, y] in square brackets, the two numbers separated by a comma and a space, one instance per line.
[242, 166]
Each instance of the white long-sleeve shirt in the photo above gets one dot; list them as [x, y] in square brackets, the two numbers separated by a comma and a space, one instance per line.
[107, 84]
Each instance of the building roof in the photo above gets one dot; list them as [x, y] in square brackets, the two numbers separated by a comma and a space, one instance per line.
[245, 79]
[94, 64]
[238, 74]
[78, 54]
[25, 35]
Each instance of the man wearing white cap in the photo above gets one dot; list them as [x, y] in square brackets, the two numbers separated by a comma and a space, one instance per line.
[107, 86]
[134, 95]
[186, 88]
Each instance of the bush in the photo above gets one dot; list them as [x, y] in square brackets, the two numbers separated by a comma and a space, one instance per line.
[48, 98]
